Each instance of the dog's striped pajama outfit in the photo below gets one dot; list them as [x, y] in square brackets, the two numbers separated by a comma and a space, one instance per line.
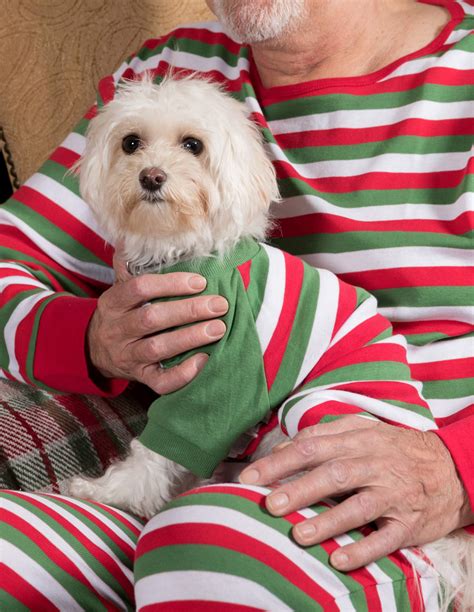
[376, 177]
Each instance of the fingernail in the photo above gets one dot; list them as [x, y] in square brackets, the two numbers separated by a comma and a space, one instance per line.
[306, 531]
[339, 560]
[278, 501]
[249, 476]
[197, 282]
[217, 305]
[200, 361]
[215, 329]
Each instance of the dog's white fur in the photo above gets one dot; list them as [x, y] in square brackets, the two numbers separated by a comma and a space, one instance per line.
[207, 204]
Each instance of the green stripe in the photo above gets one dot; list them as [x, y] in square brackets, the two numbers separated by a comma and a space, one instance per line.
[421, 296]
[448, 389]
[50, 232]
[7, 602]
[301, 327]
[220, 560]
[319, 105]
[81, 593]
[400, 145]
[258, 281]
[292, 187]
[61, 175]
[381, 370]
[7, 311]
[346, 242]
[19, 258]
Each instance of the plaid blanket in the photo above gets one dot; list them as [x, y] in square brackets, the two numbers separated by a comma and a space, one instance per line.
[45, 439]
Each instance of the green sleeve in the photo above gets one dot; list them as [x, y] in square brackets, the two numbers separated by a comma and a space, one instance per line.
[197, 425]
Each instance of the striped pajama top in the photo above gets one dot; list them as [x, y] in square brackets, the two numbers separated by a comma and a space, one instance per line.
[376, 177]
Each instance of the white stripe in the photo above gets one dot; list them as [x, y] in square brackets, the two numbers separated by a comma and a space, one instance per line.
[434, 313]
[189, 61]
[446, 407]
[367, 118]
[90, 270]
[9, 281]
[451, 348]
[10, 329]
[272, 303]
[375, 407]
[388, 162]
[86, 532]
[396, 257]
[307, 204]
[454, 58]
[429, 578]
[206, 586]
[66, 199]
[38, 577]
[365, 310]
[323, 323]
[52, 536]
[211, 515]
[74, 142]
[117, 529]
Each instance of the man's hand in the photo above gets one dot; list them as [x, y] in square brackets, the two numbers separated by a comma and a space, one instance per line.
[403, 480]
[128, 337]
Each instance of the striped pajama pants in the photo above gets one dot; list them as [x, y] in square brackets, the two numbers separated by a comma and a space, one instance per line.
[214, 548]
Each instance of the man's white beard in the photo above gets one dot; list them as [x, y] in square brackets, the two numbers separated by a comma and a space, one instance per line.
[253, 21]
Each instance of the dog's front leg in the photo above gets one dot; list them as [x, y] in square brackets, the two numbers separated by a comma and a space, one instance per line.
[142, 483]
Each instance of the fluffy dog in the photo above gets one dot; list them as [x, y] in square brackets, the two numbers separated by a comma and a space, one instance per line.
[178, 173]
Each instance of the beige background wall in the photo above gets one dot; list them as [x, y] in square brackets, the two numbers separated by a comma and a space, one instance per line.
[52, 53]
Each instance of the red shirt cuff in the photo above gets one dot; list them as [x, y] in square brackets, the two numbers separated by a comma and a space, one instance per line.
[60, 360]
[459, 438]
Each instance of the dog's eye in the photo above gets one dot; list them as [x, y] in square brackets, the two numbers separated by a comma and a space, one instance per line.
[193, 145]
[131, 143]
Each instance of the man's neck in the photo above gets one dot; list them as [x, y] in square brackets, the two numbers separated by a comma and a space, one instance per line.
[345, 38]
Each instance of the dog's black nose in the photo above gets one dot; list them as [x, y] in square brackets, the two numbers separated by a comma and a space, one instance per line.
[152, 179]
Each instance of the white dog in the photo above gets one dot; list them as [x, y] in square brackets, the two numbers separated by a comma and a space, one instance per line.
[176, 171]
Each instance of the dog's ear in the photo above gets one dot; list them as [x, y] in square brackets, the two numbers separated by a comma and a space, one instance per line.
[93, 165]
[246, 177]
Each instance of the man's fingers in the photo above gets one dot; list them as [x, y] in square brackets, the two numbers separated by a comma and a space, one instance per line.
[163, 346]
[164, 381]
[300, 455]
[153, 318]
[357, 510]
[141, 289]
[331, 479]
[376, 545]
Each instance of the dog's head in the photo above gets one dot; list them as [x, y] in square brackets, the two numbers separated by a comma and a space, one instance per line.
[176, 168]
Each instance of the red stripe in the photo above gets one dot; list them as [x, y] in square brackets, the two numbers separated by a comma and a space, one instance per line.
[464, 413]
[393, 278]
[313, 415]
[24, 592]
[104, 528]
[449, 369]
[346, 305]
[24, 331]
[378, 180]
[54, 554]
[294, 273]
[64, 156]
[319, 223]
[347, 345]
[201, 34]
[197, 605]
[109, 562]
[385, 390]
[15, 240]
[222, 536]
[447, 328]
[60, 218]
[244, 270]
[379, 133]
